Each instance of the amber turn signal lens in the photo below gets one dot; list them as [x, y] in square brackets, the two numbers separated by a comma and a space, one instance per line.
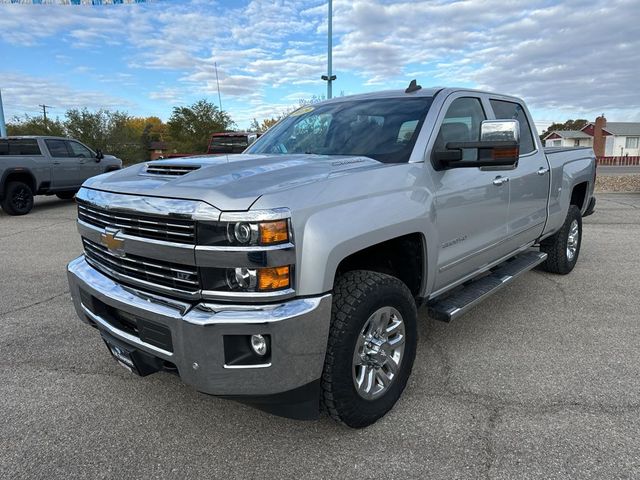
[274, 232]
[273, 278]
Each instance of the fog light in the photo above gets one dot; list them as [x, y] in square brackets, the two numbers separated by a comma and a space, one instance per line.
[259, 344]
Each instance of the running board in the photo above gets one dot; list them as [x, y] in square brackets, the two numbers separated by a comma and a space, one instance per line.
[462, 300]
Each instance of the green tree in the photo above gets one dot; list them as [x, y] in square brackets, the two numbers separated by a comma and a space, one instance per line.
[577, 124]
[27, 125]
[191, 127]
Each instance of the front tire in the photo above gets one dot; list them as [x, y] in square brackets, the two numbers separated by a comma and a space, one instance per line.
[563, 248]
[371, 348]
[18, 199]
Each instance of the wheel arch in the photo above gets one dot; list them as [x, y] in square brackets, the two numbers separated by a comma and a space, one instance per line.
[17, 174]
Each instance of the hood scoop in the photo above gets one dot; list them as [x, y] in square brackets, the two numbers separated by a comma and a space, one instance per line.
[168, 170]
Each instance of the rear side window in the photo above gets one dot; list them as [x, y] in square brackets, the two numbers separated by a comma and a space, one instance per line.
[513, 111]
[57, 148]
[19, 146]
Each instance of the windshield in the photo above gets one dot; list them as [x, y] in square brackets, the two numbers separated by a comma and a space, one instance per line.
[382, 129]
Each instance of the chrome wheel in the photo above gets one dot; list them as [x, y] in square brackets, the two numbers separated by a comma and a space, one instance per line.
[378, 353]
[573, 240]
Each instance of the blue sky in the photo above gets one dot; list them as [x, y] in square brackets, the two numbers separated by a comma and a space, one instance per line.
[567, 59]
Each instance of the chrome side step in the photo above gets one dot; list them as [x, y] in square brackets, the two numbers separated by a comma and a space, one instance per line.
[463, 299]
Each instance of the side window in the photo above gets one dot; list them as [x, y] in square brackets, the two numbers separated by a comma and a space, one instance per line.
[57, 148]
[78, 150]
[23, 146]
[462, 124]
[513, 111]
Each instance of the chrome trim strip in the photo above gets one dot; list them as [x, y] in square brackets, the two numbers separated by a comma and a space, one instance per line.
[256, 215]
[140, 204]
[231, 257]
[116, 332]
[259, 365]
[248, 296]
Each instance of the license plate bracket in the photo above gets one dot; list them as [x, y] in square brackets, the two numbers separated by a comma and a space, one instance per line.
[131, 358]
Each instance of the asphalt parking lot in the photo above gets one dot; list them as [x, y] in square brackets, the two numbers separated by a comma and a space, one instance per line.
[541, 381]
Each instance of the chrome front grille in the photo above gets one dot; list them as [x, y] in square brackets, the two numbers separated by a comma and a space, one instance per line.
[145, 226]
[143, 271]
[170, 170]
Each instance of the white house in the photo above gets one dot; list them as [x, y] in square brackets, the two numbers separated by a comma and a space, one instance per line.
[568, 138]
[608, 139]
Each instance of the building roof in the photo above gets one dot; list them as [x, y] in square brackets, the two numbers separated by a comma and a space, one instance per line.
[568, 134]
[623, 128]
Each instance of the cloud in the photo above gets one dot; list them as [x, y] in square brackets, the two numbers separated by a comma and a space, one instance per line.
[561, 57]
[24, 93]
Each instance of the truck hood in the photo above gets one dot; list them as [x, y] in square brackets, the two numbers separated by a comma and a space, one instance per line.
[228, 182]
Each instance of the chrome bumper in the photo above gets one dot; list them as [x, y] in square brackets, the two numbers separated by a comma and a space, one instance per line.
[299, 331]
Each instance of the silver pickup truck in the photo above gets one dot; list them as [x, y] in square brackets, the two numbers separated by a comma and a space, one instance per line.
[289, 277]
[31, 165]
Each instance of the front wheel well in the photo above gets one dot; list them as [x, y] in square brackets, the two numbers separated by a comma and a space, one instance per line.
[579, 195]
[402, 257]
[20, 176]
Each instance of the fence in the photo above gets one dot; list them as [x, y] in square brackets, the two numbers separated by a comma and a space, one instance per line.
[619, 161]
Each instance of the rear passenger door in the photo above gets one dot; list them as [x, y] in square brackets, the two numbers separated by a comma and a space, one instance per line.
[68, 171]
[529, 180]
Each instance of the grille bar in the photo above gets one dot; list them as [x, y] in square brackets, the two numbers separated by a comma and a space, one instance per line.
[157, 228]
[176, 276]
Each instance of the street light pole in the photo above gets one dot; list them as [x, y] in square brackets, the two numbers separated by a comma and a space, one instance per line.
[3, 127]
[329, 77]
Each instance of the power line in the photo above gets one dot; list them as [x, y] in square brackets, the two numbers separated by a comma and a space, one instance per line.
[44, 114]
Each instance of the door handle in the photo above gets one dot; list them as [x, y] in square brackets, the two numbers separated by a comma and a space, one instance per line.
[499, 181]
[542, 171]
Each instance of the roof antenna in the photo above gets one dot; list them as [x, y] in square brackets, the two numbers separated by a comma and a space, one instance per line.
[413, 87]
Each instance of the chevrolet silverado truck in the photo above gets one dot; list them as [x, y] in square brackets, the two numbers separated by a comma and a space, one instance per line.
[289, 276]
[31, 165]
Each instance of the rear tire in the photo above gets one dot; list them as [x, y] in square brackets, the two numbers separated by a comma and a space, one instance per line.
[66, 195]
[563, 248]
[18, 198]
[378, 307]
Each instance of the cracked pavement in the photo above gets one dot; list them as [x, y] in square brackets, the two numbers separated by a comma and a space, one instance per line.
[540, 381]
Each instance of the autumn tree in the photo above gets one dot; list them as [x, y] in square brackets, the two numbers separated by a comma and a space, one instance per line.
[191, 127]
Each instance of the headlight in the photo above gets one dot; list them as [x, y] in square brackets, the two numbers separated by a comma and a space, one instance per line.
[244, 234]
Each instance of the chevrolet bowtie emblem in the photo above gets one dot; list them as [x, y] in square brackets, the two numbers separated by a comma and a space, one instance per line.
[109, 240]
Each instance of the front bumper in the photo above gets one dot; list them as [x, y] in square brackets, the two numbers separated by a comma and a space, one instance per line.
[298, 328]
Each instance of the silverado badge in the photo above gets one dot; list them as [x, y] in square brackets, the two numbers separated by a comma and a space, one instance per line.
[109, 240]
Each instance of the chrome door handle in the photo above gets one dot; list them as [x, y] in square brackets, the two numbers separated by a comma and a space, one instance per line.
[542, 171]
[500, 181]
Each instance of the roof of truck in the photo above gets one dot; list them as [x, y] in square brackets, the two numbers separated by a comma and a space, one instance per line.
[38, 136]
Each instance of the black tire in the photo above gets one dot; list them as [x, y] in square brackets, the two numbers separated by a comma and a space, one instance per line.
[356, 296]
[558, 259]
[18, 198]
[66, 195]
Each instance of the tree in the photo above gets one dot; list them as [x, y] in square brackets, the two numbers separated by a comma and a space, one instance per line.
[191, 127]
[28, 125]
[577, 124]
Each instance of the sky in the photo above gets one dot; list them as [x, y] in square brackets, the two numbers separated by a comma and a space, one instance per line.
[569, 59]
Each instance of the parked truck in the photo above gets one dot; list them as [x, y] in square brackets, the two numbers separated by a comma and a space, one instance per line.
[31, 165]
[290, 276]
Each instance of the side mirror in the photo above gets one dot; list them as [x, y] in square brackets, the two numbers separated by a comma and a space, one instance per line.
[499, 146]
[252, 137]
[99, 155]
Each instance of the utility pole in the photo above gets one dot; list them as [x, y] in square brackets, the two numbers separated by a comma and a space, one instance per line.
[3, 127]
[215, 64]
[44, 113]
[329, 77]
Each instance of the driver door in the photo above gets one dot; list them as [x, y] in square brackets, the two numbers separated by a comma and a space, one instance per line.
[471, 203]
